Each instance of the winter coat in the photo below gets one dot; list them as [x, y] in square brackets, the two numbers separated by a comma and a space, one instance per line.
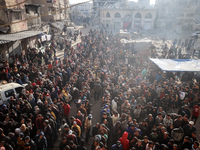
[188, 131]
[177, 134]
[195, 111]
[66, 109]
[124, 141]
[114, 147]
[39, 123]
[137, 113]
[41, 143]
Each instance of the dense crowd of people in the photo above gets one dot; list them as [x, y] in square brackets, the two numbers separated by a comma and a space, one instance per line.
[139, 101]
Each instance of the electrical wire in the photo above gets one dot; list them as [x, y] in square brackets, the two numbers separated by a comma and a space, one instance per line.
[3, 7]
[53, 12]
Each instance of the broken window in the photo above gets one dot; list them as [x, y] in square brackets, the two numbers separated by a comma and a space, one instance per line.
[27, 10]
[16, 16]
[49, 10]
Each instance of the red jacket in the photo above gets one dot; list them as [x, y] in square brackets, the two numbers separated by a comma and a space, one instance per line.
[124, 141]
[78, 122]
[195, 111]
[39, 123]
[66, 109]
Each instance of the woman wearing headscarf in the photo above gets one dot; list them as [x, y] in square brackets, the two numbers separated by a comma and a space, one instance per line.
[25, 130]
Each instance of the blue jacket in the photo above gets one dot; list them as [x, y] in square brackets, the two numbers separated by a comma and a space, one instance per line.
[114, 147]
[130, 130]
[108, 110]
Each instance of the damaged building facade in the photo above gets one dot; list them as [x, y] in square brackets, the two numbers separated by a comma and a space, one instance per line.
[14, 37]
[178, 15]
[55, 10]
[21, 25]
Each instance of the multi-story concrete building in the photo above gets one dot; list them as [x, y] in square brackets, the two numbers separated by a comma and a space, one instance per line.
[33, 11]
[53, 10]
[14, 21]
[178, 15]
[116, 18]
[85, 8]
[12, 16]
[97, 4]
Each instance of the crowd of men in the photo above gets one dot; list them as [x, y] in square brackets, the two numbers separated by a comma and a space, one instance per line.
[139, 101]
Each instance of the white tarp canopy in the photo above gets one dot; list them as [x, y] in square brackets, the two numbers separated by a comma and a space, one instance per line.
[192, 65]
[140, 45]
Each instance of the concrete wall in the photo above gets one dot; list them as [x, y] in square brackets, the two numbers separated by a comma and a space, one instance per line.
[14, 48]
[33, 11]
[52, 9]
[177, 14]
[3, 52]
[84, 8]
[13, 15]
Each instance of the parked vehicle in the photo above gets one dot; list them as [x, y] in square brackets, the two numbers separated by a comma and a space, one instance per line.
[195, 34]
[8, 90]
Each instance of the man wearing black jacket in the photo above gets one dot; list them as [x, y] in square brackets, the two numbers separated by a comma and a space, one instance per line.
[30, 142]
[95, 129]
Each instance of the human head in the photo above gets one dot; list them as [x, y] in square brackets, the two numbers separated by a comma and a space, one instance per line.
[118, 144]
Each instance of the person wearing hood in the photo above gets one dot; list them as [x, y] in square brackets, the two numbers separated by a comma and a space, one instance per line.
[25, 130]
[124, 141]
[195, 113]
[39, 122]
[41, 141]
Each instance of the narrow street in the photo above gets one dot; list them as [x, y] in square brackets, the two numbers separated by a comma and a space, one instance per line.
[95, 105]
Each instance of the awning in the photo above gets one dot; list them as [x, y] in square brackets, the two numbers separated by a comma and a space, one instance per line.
[4, 29]
[58, 25]
[178, 65]
[4, 42]
[17, 36]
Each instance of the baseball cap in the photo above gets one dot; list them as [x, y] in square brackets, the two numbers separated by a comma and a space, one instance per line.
[90, 116]
[191, 122]
[70, 132]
